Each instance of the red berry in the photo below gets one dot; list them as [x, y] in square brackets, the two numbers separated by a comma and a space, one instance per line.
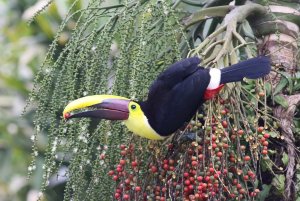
[117, 195]
[111, 173]
[186, 174]
[153, 168]
[265, 143]
[264, 152]
[240, 132]
[122, 146]
[115, 177]
[191, 187]
[166, 166]
[224, 124]
[138, 188]
[122, 162]
[194, 163]
[266, 135]
[171, 162]
[134, 163]
[187, 182]
[246, 177]
[123, 152]
[219, 154]
[199, 178]
[247, 158]
[126, 197]
[260, 129]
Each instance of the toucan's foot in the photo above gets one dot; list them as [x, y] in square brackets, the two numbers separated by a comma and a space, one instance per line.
[187, 137]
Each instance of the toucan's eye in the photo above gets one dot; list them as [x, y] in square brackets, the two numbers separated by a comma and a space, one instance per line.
[133, 107]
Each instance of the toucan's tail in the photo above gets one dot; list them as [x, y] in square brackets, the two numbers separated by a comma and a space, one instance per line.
[252, 68]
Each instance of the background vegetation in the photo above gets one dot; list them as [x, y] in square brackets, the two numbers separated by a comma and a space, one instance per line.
[247, 138]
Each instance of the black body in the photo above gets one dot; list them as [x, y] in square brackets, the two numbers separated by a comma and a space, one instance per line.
[178, 92]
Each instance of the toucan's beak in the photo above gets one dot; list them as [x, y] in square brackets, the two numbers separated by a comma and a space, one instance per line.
[98, 106]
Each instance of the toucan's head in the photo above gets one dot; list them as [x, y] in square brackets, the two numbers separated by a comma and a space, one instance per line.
[112, 107]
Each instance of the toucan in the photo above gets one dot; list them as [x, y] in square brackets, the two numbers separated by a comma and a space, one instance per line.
[173, 97]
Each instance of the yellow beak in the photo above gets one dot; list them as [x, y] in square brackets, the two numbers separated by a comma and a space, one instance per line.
[100, 106]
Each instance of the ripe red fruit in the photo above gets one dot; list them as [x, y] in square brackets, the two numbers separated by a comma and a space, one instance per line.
[187, 182]
[225, 146]
[224, 124]
[194, 163]
[123, 152]
[246, 177]
[115, 177]
[111, 173]
[199, 178]
[240, 132]
[122, 162]
[138, 188]
[247, 158]
[219, 154]
[122, 146]
[186, 174]
[214, 138]
[262, 139]
[266, 135]
[166, 166]
[265, 143]
[264, 152]
[134, 163]
[153, 169]
[119, 169]
[126, 197]
[191, 187]
[171, 162]
[260, 129]
[242, 191]
[117, 195]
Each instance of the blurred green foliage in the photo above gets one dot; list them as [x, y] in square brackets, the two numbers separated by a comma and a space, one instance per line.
[23, 47]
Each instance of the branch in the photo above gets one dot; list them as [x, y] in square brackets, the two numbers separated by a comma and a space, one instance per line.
[286, 117]
[229, 28]
[206, 13]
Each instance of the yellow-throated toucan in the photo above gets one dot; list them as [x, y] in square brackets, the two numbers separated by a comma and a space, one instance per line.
[173, 97]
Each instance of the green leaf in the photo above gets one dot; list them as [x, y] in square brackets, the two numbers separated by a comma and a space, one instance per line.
[281, 101]
[268, 88]
[285, 158]
[283, 82]
[247, 30]
[264, 193]
[297, 87]
[278, 183]
[273, 134]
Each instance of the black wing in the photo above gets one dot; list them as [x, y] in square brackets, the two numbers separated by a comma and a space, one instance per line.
[173, 75]
[175, 99]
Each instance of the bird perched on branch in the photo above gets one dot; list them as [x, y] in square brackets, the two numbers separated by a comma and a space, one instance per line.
[173, 98]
